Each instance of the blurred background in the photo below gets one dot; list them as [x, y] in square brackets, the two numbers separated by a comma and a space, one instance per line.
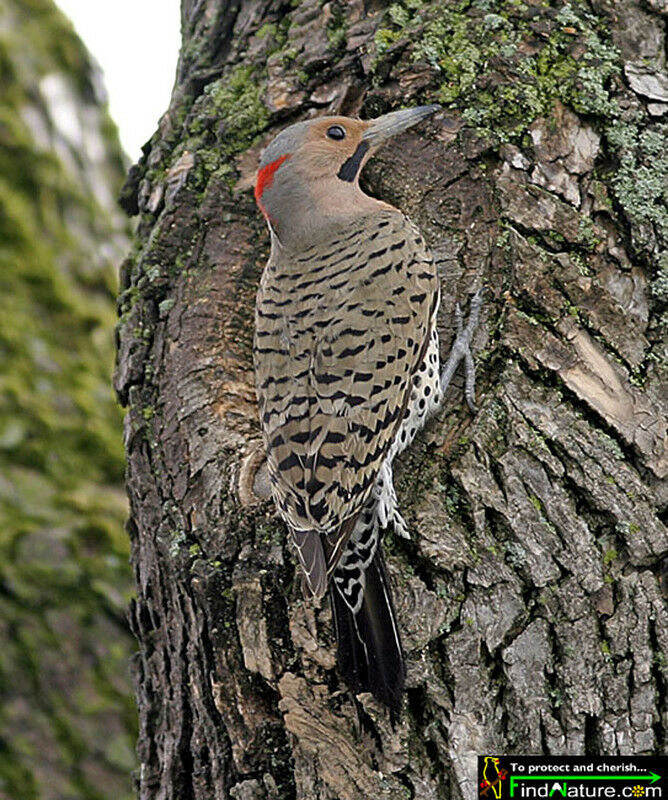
[67, 714]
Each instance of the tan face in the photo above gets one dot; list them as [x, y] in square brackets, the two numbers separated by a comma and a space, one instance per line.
[310, 170]
[331, 147]
[331, 143]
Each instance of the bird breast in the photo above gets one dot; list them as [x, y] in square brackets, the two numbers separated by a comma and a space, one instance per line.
[340, 330]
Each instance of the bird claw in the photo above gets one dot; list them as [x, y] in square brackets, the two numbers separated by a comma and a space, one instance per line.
[461, 349]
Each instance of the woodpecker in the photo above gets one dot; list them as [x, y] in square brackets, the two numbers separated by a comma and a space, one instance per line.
[346, 357]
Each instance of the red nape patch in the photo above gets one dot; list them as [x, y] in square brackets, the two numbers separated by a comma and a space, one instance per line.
[264, 179]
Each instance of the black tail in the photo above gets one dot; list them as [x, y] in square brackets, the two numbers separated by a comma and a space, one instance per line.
[369, 652]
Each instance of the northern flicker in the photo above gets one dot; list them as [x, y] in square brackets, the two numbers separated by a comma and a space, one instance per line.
[347, 371]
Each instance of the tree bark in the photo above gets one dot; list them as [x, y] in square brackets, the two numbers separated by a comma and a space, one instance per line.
[529, 598]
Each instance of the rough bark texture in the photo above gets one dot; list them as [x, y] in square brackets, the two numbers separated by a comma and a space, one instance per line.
[530, 596]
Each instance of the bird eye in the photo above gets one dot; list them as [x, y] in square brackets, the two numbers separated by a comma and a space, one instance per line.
[336, 132]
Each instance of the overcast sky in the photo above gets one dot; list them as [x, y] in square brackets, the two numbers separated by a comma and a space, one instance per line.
[136, 42]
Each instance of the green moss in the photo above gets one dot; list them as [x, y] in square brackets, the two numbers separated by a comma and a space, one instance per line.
[503, 67]
[63, 549]
[384, 38]
[227, 119]
[236, 100]
[268, 29]
[337, 31]
[269, 531]
[275, 34]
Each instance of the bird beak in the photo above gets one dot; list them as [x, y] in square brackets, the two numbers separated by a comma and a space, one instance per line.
[389, 125]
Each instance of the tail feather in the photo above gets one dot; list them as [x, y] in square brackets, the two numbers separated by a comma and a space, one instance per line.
[308, 545]
[369, 649]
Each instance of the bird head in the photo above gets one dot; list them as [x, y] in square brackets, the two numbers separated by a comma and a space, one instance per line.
[309, 174]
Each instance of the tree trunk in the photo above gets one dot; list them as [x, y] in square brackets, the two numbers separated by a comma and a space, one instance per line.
[529, 598]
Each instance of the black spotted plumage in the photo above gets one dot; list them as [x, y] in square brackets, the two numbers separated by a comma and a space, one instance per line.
[335, 326]
[344, 355]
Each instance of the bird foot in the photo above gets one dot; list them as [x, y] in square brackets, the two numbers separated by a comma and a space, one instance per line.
[461, 350]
